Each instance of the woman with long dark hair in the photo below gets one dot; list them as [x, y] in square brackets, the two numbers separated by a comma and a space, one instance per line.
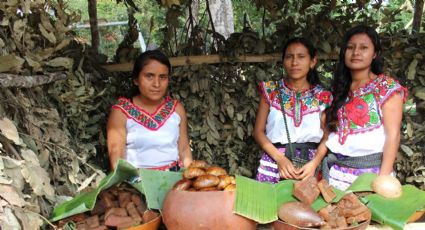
[149, 130]
[288, 123]
[365, 116]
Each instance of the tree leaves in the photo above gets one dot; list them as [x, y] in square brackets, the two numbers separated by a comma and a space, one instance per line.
[8, 129]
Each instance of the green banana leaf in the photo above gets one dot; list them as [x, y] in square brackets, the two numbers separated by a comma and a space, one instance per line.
[156, 184]
[283, 191]
[261, 201]
[392, 212]
[86, 201]
[320, 203]
[363, 183]
[396, 212]
[254, 200]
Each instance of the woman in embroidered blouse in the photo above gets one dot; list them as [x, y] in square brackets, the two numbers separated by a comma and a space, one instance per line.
[303, 100]
[149, 130]
[365, 117]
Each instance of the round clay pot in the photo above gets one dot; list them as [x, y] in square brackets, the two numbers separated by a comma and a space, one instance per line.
[184, 210]
[151, 225]
[280, 225]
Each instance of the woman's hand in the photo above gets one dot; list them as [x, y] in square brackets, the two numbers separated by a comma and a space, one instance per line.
[286, 169]
[307, 171]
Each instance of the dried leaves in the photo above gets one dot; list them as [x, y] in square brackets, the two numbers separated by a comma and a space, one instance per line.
[34, 36]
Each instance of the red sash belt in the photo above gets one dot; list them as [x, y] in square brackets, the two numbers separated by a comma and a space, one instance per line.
[165, 167]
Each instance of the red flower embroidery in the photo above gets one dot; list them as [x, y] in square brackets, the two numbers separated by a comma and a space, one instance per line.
[273, 96]
[382, 90]
[325, 97]
[303, 106]
[357, 111]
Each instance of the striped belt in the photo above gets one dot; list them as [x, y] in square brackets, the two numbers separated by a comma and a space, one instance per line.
[173, 166]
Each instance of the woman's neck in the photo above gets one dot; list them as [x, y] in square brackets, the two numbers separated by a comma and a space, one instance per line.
[361, 78]
[298, 84]
[147, 104]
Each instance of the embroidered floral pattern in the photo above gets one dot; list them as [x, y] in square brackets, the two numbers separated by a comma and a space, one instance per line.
[358, 111]
[296, 104]
[362, 112]
[150, 121]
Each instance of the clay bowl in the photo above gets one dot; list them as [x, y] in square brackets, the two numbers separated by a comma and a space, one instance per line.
[280, 225]
[184, 210]
[151, 225]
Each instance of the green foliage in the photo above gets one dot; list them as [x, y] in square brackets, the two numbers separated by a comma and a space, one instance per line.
[221, 99]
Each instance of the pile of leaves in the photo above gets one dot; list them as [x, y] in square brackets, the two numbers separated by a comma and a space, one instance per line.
[48, 133]
[52, 137]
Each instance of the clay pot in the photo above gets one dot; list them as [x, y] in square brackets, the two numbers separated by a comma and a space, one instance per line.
[151, 225]
[280, 225]
[185, 210]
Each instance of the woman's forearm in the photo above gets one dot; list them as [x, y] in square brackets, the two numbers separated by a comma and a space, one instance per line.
[267, 146]
[391, 145]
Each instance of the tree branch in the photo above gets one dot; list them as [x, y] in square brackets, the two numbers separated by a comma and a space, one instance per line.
[93, 25]
[214, 59]
[417, 16]
[209, 14]
[19, 81]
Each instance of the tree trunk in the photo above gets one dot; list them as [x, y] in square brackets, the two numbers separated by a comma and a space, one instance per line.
[194, 6]
[417, 17]
[93, 25]
[222, 16]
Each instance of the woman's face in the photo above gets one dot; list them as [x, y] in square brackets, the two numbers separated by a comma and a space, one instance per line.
[153, 80]
[359, 53]
[297, 61]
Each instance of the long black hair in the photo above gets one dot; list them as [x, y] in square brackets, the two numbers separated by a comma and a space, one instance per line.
[312, 75]
[342, 77]
[145, 57]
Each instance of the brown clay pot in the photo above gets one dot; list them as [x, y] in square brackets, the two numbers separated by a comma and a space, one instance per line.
[280, 225]
[185, 210]
[151, 225]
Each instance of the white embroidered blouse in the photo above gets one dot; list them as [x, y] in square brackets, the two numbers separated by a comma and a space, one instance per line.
[303, 111]
[152, 139]
[360, 131]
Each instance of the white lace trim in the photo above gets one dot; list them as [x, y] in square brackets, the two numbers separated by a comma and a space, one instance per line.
[268, 164]
[268, 173]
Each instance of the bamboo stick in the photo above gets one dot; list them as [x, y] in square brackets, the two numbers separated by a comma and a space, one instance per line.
[210, 59]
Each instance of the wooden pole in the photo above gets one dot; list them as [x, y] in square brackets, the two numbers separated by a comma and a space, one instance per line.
[212, 59]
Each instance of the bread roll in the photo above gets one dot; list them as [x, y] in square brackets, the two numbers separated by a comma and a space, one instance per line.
[224, 181]
[193, 172]
[216, 171]
[205, 181]
[209, 189]
[198, 164]
[182, 185]
[230, 187]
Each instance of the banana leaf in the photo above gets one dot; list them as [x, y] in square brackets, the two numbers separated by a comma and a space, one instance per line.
[156, 184]
[86, 201]
[320, 203]
[261, 201]
[363, 183]
[255, 200]
[396, 212]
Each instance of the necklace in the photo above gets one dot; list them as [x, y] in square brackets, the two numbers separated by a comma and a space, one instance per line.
[304, 87]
